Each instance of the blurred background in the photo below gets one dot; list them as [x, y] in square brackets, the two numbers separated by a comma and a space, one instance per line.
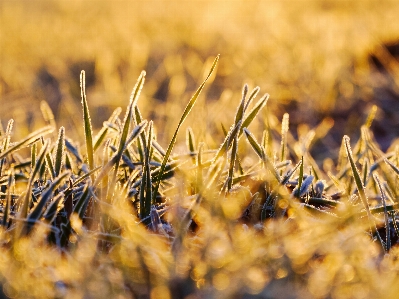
[324, 62]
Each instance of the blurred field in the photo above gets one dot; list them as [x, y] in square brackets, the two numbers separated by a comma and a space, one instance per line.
[312, 57]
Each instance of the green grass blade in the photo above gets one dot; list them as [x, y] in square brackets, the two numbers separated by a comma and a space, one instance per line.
[38, 165]
[232, 163]
[135, 133]
[73, 150]
[255, 145]
[190, 140]
[259, 150]
[252, 96]
[356, 175]
[228, 141]
[10, 183]
[33, 153]
[128, 118]
[240, 110]
[53, 208]
[81, 205]
[252, 114]
[104, 130]
[146, 183]
[50, 165]
[27, 140]
[394, 168]
[46, 196]
[359, 185]
[60, 151]
[187, 110]
[288, 176]
[386, 216]
[296, 193]
[87, 122]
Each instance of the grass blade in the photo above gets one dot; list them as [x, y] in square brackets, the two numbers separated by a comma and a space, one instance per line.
[60, 152]
[27, 140]
[46, 195]
[359, 184]
[38, 165]
[87, 122]
[104, 130]
[146, 183]
[187, 110]
[296, 193]
[386, 216]
[240, 110]
[10, 183]
[356, 175]
[261, 153]
[284, 131]
[253, 95]
[54, 208]
[128, 118]
[252, 114]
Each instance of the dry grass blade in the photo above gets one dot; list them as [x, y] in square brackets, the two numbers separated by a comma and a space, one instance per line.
[187, 110]
[87, 121]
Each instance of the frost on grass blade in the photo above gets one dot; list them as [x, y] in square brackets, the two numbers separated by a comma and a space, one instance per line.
[31, 138]
[45, 197]
[60, 151]
[360, 186]
[284, 132]
[252, 114]
[386, 216]
[187, 110]
[87, 122]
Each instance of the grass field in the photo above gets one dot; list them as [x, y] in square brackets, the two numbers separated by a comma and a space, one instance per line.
[202, 185]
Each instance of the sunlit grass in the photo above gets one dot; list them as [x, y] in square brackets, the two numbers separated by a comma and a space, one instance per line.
[203, 185]
[207, 221]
